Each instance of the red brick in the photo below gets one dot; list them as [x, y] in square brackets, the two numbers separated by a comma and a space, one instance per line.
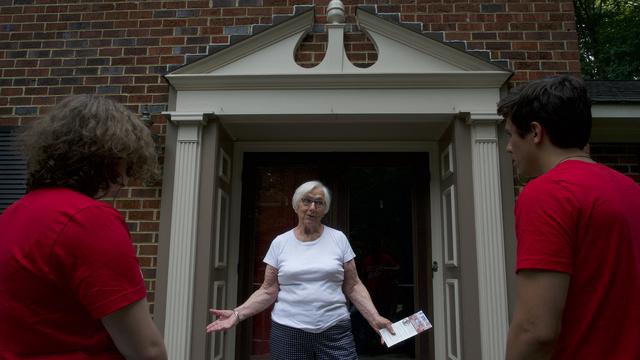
[466, 7]
[96, 80]
[173, 40]
[554, 65]
[44, 100]
[149, 226]
[496, 26]
[123, 61]
[546, 7]
[539, 55]
[232, 11]
[566, 55]
[142, 237]
[476, 27]
[127, 204]
[439, 8]
[259, 12]
[526, 65]
[35, 91]
[14, 73]
[147, 249]
[133, 89]
[110, 52]
[144, 193]
[145, 261]
[160, 51]
[564, 35]
[8, 91]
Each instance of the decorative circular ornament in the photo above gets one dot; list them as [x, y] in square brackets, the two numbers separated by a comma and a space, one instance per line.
[335, 12]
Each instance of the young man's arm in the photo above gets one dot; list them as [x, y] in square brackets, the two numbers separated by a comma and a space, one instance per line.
[540, 300]
[134, 333]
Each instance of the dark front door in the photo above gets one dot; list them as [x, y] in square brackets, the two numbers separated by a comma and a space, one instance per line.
[379, 200]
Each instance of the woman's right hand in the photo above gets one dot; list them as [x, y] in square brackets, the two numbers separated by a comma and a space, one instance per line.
[225, 319]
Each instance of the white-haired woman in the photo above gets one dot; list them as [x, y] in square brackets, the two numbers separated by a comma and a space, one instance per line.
[309, 274]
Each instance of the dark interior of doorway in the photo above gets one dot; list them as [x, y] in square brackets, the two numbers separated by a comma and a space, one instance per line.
[380, 229]
[378, 201]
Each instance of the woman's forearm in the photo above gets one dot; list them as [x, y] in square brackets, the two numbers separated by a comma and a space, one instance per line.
[257, 302]
[360, 297]
[261, 298]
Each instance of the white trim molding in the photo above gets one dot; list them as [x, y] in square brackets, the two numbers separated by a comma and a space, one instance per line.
[492, 284]
[446, 162]
[450, 226]
[179, 308]
[217, 338]
[452, 303]
[222, 230]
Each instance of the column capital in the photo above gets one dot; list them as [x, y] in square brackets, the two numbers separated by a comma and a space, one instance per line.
[480, 118]
[188, 118]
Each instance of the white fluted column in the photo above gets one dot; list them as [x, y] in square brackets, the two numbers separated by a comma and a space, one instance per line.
[494, 320]
[182, 247]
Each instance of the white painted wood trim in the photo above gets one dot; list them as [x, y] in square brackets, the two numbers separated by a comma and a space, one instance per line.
[451, 294]
[445, 79]
[222, 230]
[616, 111]
[182, 245]
[449, 209]
[446, 162]
[437, 242]
[489, 235]
[224, 166]
[219, 291]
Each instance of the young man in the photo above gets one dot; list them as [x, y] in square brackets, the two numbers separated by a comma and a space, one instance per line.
[578, 231]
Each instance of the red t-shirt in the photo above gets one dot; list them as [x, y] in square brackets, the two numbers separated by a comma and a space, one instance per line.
[66, 261]
[583, 219]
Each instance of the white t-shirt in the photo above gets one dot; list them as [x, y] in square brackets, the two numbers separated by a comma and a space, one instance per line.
[310, 275]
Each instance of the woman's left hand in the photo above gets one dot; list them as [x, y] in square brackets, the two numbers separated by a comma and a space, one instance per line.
[380, 322]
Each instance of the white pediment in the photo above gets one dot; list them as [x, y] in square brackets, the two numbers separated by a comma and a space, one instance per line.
[405, 60]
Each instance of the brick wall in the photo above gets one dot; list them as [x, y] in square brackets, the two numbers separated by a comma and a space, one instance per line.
[53, 48]
[623, 157]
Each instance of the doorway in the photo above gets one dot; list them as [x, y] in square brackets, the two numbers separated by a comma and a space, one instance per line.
[380, 201]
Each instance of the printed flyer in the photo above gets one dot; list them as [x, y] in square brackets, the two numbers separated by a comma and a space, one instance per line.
[406, 328]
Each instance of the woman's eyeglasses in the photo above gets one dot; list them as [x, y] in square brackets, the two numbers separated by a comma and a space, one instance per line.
[318, 203]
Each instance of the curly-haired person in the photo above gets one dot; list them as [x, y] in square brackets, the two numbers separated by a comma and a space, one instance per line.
[70, 283]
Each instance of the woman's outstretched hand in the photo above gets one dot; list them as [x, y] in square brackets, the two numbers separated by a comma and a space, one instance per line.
[225, 319]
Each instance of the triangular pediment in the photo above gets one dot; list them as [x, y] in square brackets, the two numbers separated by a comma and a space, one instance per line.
[405, 59]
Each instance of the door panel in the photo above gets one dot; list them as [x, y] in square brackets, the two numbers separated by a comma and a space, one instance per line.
[378, 200]
[220, 238]
[449, 173]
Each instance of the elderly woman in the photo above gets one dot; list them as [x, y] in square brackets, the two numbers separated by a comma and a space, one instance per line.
[310, 269]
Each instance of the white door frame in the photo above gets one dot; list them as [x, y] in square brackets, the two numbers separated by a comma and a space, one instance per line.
[430, 147]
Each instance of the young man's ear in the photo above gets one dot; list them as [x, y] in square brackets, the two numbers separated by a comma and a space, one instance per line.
[537, 131]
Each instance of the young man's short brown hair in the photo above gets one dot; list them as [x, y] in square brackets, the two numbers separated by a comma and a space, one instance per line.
[560, 104]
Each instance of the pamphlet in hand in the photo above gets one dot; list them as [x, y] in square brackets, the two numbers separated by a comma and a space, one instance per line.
[406, 328]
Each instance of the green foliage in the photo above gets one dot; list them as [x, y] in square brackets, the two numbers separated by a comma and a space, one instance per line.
[609, 38]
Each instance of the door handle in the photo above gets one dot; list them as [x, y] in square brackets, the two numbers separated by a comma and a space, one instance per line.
[434, 266]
